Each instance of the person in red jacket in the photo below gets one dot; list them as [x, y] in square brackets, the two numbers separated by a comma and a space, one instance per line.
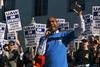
[39, 60]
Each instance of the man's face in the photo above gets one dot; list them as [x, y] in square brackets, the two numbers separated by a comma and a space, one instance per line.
[53, 23]
[6, 48]
[11, 45]
[85, 44]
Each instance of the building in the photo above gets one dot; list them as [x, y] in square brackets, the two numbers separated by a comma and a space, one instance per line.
[54, 8]
[6, 5]
[1, 5]
[41, 9]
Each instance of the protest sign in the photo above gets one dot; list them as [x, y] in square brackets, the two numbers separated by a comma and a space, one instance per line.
[13, 20]
[2, 30]
[11, 36]
[96, 28]
[64, 26]
[61, 20]
[40, 31]
[96, 12]
[29, 34]
[88, 18]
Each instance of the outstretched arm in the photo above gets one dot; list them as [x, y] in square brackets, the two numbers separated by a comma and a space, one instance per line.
[82, 21]
[79, 12]
[81, 28]
[77, 31]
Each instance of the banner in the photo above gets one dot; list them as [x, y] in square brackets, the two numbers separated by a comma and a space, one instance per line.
[64, 26]
[88, 18]
[40, 28]
[96, 12]
[2, 30]
[61, 21]
[96, 28]
[11, 36]
[29, 34]
[13, 20]
[97, 24]
[40, 31]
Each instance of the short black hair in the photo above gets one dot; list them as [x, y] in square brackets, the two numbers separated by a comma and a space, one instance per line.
[95, 42]
[12, 42]
[84, 40]
[5, 46]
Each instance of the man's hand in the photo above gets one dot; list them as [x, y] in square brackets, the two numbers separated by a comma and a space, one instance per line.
[47, 33]
[77, 9]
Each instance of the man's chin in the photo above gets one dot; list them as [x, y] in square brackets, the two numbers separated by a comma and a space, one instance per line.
[54, 29]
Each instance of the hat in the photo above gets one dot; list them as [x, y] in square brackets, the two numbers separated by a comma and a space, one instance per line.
[11, 42]
[84, 40]
[95, 42]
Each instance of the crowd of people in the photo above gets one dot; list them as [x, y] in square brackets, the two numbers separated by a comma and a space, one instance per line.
[88, 54]
[52, 50]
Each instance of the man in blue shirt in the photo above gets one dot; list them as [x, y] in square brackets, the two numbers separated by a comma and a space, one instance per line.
[56, 43]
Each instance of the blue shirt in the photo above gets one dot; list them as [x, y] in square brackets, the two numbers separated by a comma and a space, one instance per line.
[56, 48]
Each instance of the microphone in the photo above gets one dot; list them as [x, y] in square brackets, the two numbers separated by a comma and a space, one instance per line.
[48, 32]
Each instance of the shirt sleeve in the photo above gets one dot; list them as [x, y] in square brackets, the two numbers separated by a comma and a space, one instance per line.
[72, 35]
[82, 23]
[68, 37]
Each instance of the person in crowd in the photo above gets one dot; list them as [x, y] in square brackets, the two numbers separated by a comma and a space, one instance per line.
[27, 58]
[91, 39]
[86, 53]
[12, 51]
[20, 62]
[6, 55]
[33, 56]
[1, 57]
[71, 56]
[19, 59]
[83, 55]
[39, 58]
[56, 43]
[78, 56]
[95, 49]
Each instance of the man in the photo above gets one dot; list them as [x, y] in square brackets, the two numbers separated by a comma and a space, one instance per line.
[83, 54]
[55, 55]
[13, 51]
[56, 44]
[95, 49]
